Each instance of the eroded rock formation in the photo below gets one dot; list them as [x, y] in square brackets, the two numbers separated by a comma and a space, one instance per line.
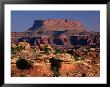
[57, 25]
[57, 32]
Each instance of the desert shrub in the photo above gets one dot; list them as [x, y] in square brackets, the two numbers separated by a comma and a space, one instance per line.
[41, 47]
[56, 72]
[57, 51]
[23, 64]
[62, 51]
[47, 50]
[77, 58]
[55, 62]
[55, 65]
[70, 52]
[17, 49]
[13, 50]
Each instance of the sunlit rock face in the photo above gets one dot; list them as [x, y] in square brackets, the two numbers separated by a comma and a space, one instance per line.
[57, 32]
[57, 25]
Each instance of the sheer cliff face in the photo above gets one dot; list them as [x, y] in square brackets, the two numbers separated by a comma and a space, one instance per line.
[57, 25]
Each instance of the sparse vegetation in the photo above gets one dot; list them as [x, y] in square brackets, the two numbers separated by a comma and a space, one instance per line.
[77, 58]
[23, 64]
[34, 57]
[55, 65]
[16, 49]
[47, 50]
[57, 51]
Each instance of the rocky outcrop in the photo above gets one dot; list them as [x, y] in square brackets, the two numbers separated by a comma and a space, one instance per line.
[57, 32]
[60, 40]
[57, 25]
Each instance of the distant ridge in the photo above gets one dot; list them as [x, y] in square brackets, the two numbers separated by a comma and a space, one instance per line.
[57, 25]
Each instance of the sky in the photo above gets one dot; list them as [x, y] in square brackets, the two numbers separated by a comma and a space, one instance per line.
[23, 20]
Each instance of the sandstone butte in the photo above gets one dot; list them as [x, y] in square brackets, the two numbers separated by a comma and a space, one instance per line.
[58, 25]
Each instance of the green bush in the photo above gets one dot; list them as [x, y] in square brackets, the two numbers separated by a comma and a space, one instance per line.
[56, 72]
[55, 65]
[57, 51]
[47, 50]
[77, 58]
[17, 49]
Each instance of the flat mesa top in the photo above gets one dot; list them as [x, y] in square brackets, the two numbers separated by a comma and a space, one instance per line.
[58, 25]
